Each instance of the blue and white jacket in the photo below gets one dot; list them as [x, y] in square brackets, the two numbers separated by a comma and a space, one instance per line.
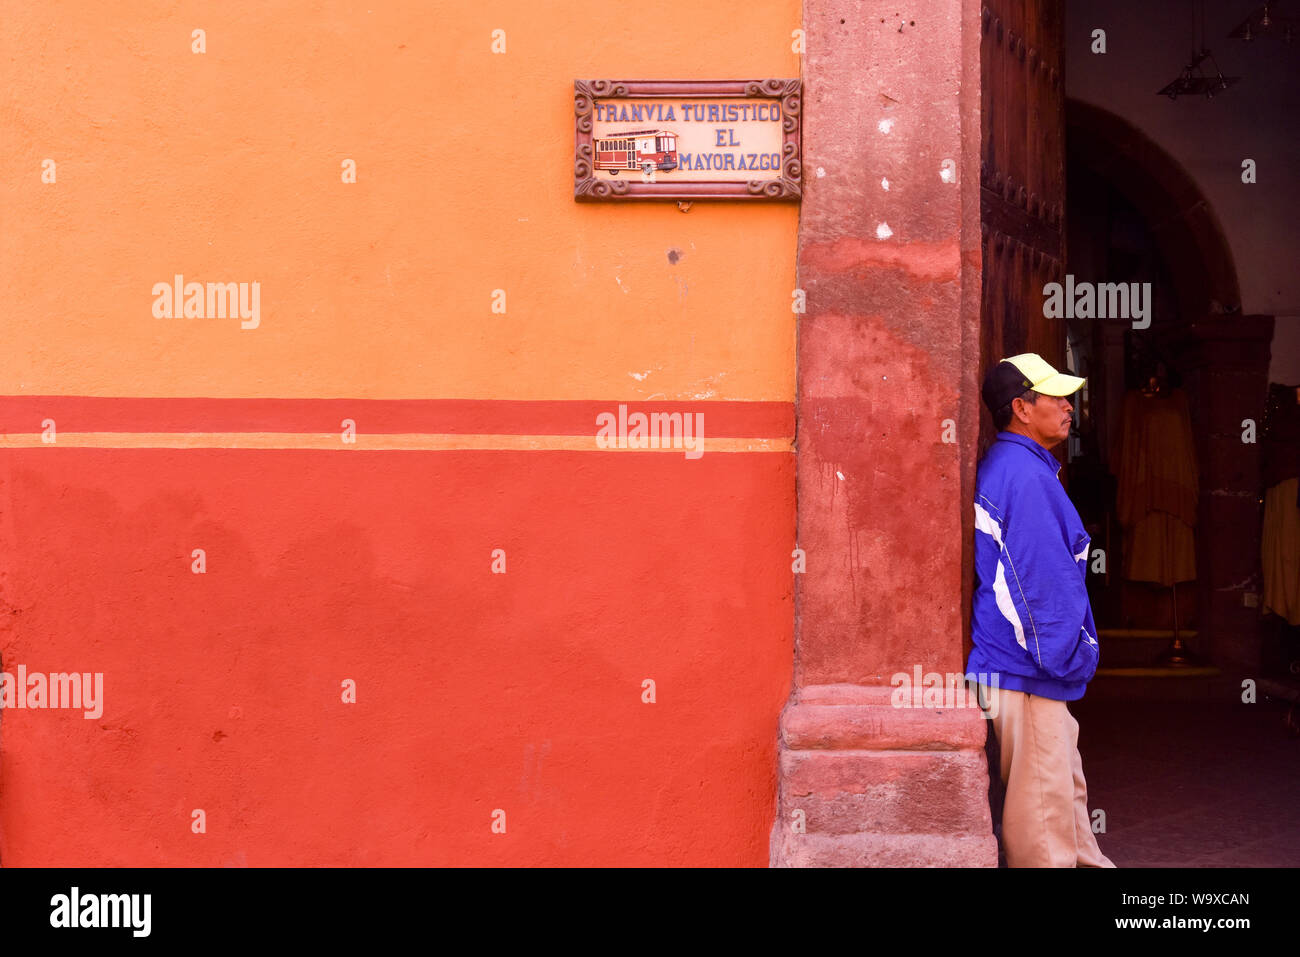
[1031, 619]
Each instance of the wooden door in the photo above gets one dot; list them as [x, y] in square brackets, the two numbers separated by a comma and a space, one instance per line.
[1022, 179]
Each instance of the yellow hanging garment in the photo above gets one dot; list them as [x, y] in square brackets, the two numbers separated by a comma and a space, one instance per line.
[1280, 551]
[1157, 491]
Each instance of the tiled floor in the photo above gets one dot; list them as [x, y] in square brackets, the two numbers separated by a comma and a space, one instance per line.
[1201, 782]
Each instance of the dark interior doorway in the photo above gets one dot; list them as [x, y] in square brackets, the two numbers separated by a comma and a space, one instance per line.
[1068, 188]
[1134, 216]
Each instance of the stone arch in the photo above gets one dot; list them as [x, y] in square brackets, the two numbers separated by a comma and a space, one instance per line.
[1221, 354]
[1191, 240]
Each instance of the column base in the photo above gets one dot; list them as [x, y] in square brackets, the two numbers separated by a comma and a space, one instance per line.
[868, 784]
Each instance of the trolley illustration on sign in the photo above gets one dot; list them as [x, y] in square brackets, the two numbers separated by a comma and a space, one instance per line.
[645, 150]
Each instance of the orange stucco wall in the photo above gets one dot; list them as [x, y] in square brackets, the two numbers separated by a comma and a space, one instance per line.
[127, 441]
[226, 166]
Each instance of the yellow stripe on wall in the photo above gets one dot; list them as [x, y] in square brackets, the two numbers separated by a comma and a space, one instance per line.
[364, 442]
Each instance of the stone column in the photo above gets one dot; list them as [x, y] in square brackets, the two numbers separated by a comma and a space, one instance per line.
[1227, 358]
[888, 421]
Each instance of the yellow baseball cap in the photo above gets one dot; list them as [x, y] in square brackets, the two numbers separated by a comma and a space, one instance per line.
[1012, 376]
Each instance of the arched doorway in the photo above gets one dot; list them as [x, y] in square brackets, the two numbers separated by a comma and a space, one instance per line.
[1134, 215]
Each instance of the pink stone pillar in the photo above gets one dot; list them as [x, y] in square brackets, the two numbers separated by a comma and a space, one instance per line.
[888, 420]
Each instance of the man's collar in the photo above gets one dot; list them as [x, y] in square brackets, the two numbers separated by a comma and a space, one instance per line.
[1048, 458]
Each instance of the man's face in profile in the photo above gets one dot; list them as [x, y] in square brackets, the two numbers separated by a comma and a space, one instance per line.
[1046, 420]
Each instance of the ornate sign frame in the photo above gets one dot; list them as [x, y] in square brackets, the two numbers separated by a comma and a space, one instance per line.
[786, 186]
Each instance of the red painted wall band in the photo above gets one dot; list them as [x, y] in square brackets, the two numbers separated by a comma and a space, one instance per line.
[24, 414]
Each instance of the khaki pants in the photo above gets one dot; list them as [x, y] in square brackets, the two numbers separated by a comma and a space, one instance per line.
[1045, 815]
